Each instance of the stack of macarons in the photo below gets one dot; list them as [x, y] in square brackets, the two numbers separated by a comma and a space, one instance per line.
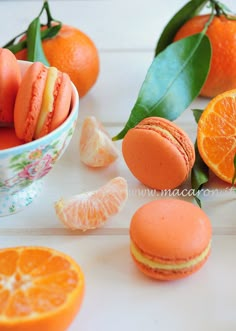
[35, 104]
[158, 153]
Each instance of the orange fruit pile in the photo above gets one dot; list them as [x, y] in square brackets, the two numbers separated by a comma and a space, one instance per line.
[216, 136]
[96, 147]
[40, 289]
[73, 52]
[91, 209]
[222, 35]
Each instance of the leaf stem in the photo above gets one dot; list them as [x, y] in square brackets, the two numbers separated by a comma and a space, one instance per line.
[212, 15]
[222, 9]
[52, 29]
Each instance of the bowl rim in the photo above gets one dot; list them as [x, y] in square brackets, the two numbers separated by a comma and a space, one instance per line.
[43, 140]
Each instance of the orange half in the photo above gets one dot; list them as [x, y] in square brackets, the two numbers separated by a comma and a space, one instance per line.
[216, 136]
[40, 289]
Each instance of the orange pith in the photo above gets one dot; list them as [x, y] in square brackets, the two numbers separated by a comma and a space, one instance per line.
[91, 209]
[216, 135]
[40, 289]
[73, 52]
[221, 32]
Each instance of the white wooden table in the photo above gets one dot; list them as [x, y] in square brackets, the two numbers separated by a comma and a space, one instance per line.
[118, 297]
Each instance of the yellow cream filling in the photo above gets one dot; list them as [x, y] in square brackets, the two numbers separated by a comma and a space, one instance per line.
[48, 99]
[157, 265]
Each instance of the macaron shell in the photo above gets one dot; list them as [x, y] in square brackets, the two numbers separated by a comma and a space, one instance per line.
[10, 78]
[62, 96]
[153, 159]
[168, 275]
[174, 133]
[170, 229]
[29, 100]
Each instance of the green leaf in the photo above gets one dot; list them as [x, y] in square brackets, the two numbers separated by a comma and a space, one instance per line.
[199, 174]
[197, 114]
[45, 34]
[200, 171]
[173, 81]
[234, 176]
[189, 10]
[34, 43]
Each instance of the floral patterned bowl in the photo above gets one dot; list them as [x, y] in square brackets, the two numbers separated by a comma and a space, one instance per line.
[23, 167]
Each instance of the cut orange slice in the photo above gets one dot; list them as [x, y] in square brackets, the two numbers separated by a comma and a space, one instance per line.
[96, 147]
[40, 289]
[91, 209]
[216, 136]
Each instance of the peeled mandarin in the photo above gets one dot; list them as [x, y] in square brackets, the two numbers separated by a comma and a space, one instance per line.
[96, 147]
[92, 209]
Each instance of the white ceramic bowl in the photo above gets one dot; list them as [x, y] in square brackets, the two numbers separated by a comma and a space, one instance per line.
[22, 168]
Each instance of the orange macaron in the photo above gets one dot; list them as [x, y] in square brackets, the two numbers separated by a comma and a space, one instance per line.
[170, 238]
[42, 102]
[158, 153]
[10, 78]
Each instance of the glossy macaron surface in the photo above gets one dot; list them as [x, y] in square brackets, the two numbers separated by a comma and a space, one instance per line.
[171, 232]
[158, 153]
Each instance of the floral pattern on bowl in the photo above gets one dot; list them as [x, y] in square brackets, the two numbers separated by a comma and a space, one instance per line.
[26, 167]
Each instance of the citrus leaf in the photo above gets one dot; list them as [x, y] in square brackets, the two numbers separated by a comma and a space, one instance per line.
[47, 33]
[197, 114]
[173, 81]
[188, 11]
[199, 174]
[34, 44]
[200, 171]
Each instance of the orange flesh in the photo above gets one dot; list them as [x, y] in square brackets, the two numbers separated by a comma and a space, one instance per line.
[33, 282]
[217, 135]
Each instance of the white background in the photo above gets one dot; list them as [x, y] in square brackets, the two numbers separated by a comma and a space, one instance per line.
[117, 296]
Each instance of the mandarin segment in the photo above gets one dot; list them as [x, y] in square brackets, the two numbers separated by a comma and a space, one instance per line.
[53, 265]
[215, 125]
[31, 259]
[19, 305]
[217, 147]
[45, 300]
[226, 108]
[96, 147]
[4, 297]
[8, 262]
[65, 281]
[91, 209]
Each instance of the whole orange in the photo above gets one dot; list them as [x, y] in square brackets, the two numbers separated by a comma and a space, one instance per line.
[222, 35]
[73, 52]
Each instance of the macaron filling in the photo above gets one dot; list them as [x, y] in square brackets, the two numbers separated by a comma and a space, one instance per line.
[48, 100]
[168, 265]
